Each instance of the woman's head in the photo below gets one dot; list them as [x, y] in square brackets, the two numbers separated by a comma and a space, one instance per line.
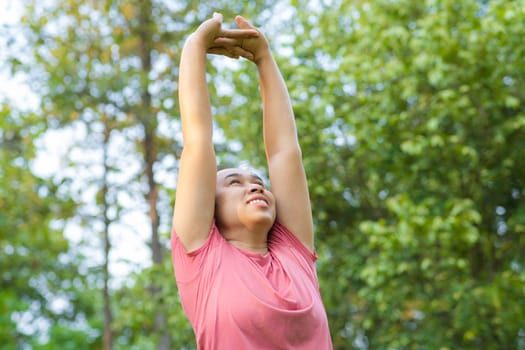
[242, 199]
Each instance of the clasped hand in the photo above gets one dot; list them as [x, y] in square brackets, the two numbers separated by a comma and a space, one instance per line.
[247, 41]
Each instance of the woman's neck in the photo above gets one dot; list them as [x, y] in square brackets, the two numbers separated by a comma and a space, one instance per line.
[255, 240]
[253, 247]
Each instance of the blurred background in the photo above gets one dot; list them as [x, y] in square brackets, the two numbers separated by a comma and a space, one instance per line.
[411, 117]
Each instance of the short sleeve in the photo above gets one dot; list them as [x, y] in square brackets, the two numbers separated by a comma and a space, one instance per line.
[188, 265]
[282, 235]
[291, 250]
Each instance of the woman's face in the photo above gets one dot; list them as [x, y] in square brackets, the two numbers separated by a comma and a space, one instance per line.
[242, 199]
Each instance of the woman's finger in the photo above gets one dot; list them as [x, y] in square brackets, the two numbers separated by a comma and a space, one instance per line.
[239, 33]
[225, 41]
[243, 23]
[233, 45]
[222, 52]
[232, 52]
[244, 53]
[217, 16]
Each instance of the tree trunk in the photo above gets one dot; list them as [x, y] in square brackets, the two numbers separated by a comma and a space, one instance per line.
[149, 123]
[108, 316]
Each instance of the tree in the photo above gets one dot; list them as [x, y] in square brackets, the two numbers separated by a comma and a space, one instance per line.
[411, 124]
[109, 69]
[39, 276]
[412, 127]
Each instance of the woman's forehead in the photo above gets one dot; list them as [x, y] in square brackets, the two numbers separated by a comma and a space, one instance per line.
[237, 172]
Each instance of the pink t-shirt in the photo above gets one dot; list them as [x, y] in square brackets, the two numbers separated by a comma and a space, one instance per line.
[241, 300]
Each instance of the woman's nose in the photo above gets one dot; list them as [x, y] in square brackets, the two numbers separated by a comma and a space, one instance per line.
[256, 188]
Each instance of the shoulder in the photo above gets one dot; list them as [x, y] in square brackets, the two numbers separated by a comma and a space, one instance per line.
[190, 263]
[213, 238]
[281, 237]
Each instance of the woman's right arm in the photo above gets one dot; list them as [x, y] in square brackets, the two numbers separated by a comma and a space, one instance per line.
[195, 197]
[196, 183]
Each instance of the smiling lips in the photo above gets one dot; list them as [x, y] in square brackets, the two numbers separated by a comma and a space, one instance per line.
[258, 201]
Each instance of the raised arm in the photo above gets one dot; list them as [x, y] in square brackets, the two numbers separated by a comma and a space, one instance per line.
[287, 176]
[195, 198]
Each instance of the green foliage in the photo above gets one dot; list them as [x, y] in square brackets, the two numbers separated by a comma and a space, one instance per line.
[431, 172]
[410, 116]
[411, 120]
[31, 243]
[108, 70]
[134, 323]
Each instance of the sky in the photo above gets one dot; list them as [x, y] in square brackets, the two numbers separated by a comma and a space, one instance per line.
[11, 88]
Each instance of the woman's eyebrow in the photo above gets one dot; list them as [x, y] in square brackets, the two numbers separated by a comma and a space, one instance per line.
[232, 175]
[252, 176]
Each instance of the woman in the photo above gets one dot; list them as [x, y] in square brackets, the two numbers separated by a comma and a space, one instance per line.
[244, 256]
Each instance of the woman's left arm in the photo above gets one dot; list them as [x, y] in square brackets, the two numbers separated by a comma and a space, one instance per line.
[283, 152]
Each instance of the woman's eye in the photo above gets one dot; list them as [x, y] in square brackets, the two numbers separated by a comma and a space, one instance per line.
[233, 182]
